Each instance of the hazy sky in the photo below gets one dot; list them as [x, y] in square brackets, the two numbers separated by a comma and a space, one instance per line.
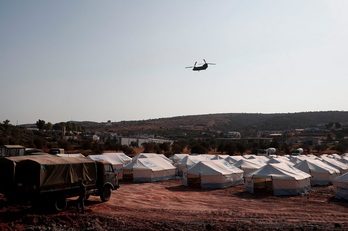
[125, 60]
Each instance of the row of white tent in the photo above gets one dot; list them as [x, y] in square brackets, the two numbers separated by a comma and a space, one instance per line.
[284, 175]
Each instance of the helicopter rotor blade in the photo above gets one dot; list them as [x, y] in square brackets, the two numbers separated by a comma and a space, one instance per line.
[211, 63]
[188, 67]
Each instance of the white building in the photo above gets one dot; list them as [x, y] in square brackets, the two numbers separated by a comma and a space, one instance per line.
[268, 133]
[234, 135]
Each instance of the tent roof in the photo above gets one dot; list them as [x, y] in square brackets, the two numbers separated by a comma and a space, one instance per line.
[178, 156]
[119, 155]
[152, 155]
[279, 171]
[190, 160]
[342, 178]
[154, 164]
[334, 163]
[212, 167]
[314, 166]
[71, 155]
[248, 164]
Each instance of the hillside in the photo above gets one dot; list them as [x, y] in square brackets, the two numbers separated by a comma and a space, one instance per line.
[195, 125]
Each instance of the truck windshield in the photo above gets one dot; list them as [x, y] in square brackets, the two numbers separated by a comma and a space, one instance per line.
[108, 168]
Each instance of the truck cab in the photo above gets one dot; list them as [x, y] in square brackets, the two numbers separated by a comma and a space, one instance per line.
[106, 179]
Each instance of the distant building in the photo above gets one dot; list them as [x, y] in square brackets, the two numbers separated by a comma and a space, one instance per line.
[234, 135]
[69, 137]
[152, 136]
[128, 141]
[269, 133]
[312, 128]
[311, 141]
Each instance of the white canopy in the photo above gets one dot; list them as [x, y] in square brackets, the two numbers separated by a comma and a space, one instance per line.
[340, 185]
[212, 174]
[248, 165]
[321, 174]
[335, 163]
[152, 155]
[280, 160]
[220, 157]
[149, 170]
[119, 157]
[234, 159]
[71, 155]
[188, 161]
[177, 157]
[280, 178]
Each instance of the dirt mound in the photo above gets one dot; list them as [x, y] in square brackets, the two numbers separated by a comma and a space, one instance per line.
[168, 205]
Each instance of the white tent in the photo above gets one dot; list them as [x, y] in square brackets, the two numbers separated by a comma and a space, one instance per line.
[264, 159]
[248, 165]
[280, 160]
[340, 185]
[188, 161]
[281, 179]
[321, 174]
[212, 174]
[220, 157]
[335, 163]
[148, 170]
[234, 159]
[71, 155]
[335, 156]
[177, 157]
[119, 157]
[344, 155]
[152, 155]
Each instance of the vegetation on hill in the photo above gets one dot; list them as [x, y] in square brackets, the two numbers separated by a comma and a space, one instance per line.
[195, 134]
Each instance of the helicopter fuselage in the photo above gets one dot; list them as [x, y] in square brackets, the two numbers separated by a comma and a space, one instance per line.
[200, 68]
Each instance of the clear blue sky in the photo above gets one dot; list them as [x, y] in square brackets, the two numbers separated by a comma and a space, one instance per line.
[125, 60]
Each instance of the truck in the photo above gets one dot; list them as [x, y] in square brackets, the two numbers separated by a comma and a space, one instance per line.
[298, 151]
[48, 180]
[266, 152]
[12, 150]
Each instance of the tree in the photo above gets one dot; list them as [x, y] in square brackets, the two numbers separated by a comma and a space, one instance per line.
[221, 147]
[230, 148]
[6, 122]
[338, 125]
[339, 136]
[165, 146]
[199, 149]
[241, 147]
[176, 148]
[329, 138]
[49, 126]
[40, 124]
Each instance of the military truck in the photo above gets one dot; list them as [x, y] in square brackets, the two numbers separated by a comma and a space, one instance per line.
[12, 150]
[48, 180]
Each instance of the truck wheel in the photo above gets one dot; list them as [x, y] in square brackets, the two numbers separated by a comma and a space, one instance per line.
[59, 204]
[105, 193]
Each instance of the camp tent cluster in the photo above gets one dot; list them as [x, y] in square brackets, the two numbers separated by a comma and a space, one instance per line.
[277, 175]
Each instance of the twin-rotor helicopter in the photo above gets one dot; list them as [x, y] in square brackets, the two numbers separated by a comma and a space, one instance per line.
[202, 67]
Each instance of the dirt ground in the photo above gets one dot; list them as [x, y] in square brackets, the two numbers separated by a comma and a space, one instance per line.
[168, 205]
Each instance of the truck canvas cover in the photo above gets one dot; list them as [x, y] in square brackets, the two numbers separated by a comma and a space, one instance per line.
[52, 171]
[8, 165]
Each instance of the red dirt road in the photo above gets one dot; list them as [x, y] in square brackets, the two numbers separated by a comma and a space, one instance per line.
[168, 205]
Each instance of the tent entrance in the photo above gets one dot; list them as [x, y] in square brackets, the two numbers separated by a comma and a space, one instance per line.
[193, 181]
[263, 186]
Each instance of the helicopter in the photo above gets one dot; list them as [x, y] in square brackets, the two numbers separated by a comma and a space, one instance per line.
[200, 68]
